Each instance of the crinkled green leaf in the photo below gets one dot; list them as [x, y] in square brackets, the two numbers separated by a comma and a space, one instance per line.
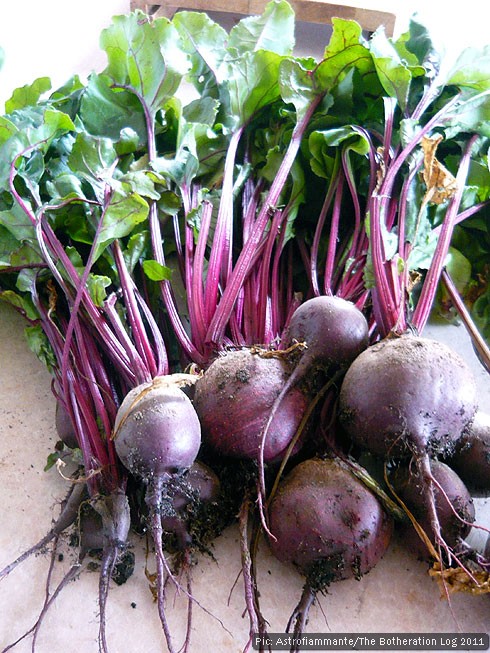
[471, 114]
[54, 123]
[418, 42]
[272, 30]
[145, 56]
[115, 114]
[18, 224]
[170, 203]
[16, 255]
[393, 73]
[204, 41]
[322, 158]
[28, 95]
[140, 182]
[20, 302]
[27, 131]
[39, 344]
[195, 142]
[202, 111]
[136, 248]
[65, 186]
[321, 143]
[298, 85]
[253, 83]
[472, 69]
[345, 51]
[93, 158]
[122, 215]
[7, 129]
[96, 285]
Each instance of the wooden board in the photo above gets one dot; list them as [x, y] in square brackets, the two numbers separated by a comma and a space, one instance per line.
[312, 11]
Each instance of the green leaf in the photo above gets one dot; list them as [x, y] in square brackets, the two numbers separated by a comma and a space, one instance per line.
[64, 186]
[96, 285]
[204, 41]
[136, 248]
[39, 344]
[471, 114]
[481, 313]
[20, 302]
[145, 56]
[18, 224]
[7, 129]
[393, 73]
[112, 113]
[253, 83]
[273, 30]
[202, 111]
[297, 84]
[28, 95]
[303, 80]
[459, 268]
[345, 50]
[52, 459]
[93, 158]
[472, 69]
[156, 271]
[121, 216]
[418, 42]
[54, 123]
[140, 182]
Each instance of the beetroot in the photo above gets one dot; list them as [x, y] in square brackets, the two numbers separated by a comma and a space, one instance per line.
[157, 437]
[329, 525]
[233, 400]
[333, 330]
[407, 395]
[157, 432]
[471, 458]
[454, 504]
[64, 426]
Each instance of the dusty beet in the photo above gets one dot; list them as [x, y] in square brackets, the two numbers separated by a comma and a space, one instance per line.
[329, 525]
[334, 331]
[407, 395]
[471, 458]
[413, 397]
[454, 505]
[157, 437]
[233, 400]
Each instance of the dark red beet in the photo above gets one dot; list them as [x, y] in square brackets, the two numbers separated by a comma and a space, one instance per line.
[323, 513]
[233, 400]
[329, 525]
[157, 436]
[410, 396]
[471, 458]
[407, 395]
[410, 487]
[334, 330]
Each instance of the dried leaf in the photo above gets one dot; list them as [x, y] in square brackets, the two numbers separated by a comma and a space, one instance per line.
[441, 184]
